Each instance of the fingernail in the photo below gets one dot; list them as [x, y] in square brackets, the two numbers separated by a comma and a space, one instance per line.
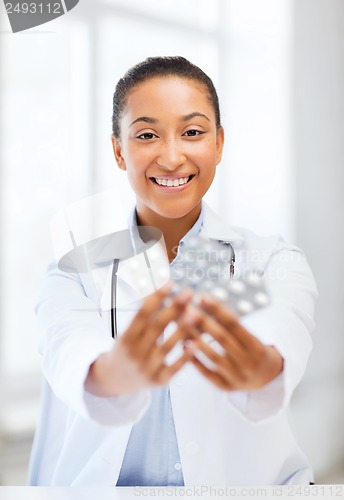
[189, 346]
[167, 302]
[207, 300]
[184, 296]
[190, 316]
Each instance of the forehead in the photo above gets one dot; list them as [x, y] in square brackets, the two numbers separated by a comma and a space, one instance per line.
[171, 94]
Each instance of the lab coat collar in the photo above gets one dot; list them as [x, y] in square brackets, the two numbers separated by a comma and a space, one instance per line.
[214, 227]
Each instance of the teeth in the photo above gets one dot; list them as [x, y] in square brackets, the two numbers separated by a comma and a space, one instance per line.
[170, 182]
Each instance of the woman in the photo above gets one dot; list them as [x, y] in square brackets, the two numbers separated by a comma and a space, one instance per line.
[116, 413]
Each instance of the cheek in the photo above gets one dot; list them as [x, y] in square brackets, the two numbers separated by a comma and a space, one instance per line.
[207, 155]
[136, 162]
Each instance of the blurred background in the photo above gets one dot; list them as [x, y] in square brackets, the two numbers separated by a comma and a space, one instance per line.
[278, 66]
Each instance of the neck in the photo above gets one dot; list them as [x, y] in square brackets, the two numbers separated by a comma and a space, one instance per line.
[172, 229]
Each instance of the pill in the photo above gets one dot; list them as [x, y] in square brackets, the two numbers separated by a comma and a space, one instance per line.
[261, 299]
[219, 293]
[253, 279]
[244, 306]
[237, 287]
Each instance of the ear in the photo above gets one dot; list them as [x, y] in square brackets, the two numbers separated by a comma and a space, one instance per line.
[220, 139]
[117, 149]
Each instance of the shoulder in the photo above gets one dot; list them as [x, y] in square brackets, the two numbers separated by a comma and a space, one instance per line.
[243, 239]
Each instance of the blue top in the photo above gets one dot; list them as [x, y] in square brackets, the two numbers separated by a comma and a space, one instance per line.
[152, 455]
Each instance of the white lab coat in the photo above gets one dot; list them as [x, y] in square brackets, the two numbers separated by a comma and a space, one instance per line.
[224, 438]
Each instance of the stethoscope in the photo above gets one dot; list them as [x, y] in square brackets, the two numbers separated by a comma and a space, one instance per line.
[114, 285]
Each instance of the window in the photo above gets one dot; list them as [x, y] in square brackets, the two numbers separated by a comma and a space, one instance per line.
[57, 86]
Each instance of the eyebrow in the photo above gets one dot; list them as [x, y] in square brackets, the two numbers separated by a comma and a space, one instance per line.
[185, 118]
[193, 115]
[145, 119]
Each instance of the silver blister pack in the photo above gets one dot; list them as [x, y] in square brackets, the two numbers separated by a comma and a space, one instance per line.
[205, 266]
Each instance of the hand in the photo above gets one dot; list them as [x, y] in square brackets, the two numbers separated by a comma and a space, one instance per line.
[137, 359]
[246, 363]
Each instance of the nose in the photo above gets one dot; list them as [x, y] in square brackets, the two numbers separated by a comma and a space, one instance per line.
[171, 155]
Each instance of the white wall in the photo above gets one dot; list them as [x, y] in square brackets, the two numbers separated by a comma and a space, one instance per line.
[318, 139]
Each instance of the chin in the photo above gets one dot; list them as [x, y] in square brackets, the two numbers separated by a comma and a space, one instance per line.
[175, 212]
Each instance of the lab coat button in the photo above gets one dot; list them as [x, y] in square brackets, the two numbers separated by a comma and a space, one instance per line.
[180, 379]
[178, 466]
[192, 448]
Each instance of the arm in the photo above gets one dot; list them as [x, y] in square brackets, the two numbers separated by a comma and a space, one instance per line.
[75, 338]
[267, 351]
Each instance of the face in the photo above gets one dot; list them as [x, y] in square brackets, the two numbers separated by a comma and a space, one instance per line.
[169, 146]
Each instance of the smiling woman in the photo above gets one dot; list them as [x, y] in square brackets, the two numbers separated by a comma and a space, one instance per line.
[170, 153]
[121, 412]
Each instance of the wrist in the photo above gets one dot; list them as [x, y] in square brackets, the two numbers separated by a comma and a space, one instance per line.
[100, 380]
[277, 363]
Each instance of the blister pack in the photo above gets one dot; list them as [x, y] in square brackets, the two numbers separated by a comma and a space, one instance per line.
[207, 266]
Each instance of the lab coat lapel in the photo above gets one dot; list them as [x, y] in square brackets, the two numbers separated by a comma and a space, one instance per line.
[215, 229]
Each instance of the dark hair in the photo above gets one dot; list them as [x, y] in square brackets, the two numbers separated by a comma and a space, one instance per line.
[160, 67]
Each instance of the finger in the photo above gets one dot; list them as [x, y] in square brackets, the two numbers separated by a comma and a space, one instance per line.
[166, 347]
[166, 372]
[223, 365]
[237, 363]
[246, 358]
[251, 372]
[157, 325]
[212, 376]
[149, 310]
[229, 321]
[157, 354]
[149, 307]
[205, 323]
[233, 372]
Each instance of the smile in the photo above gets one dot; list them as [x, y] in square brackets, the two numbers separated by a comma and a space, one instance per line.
[172, 181]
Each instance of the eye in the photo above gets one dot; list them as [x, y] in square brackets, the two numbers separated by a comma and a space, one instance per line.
[146, 136]
[193, 133]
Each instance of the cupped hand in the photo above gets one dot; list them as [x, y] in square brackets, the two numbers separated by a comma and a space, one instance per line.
[244, 363]
[138, 358]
